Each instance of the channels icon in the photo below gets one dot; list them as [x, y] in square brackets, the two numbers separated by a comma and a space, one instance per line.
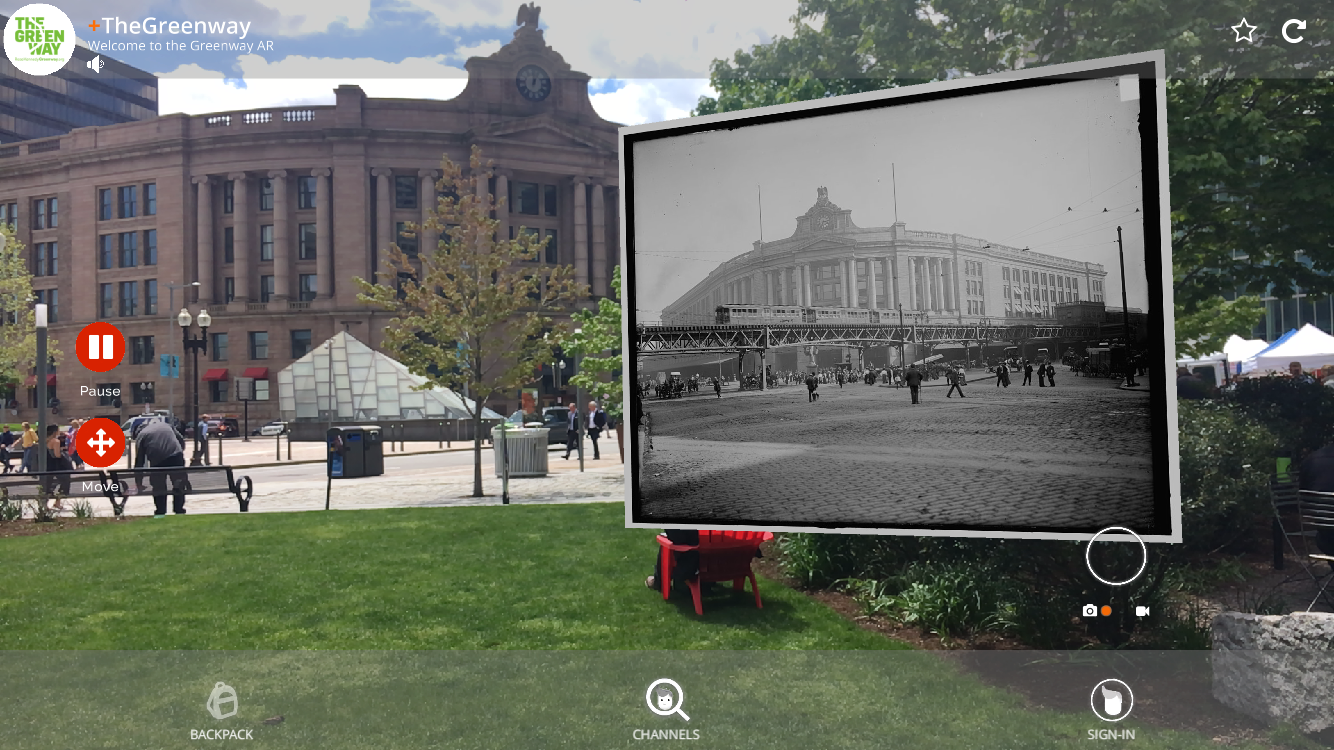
[100, 443]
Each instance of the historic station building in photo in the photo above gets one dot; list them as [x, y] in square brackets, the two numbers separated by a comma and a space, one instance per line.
[274, 212]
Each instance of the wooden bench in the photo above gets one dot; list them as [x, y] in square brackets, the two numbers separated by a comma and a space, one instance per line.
[723, 556]
[119, 485]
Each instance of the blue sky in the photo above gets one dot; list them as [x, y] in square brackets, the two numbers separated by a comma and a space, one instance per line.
[649, 58]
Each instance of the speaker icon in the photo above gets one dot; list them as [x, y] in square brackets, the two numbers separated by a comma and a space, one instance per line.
[96, 64]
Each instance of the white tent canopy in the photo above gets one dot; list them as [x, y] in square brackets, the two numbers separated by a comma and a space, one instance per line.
[367, 386]
[1310, 346]
[1237, 348]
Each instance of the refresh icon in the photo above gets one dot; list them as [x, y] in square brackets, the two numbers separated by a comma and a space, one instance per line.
[1293, 22]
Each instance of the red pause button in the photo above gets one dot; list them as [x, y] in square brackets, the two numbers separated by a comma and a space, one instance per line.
[100, 346]
[100, 443]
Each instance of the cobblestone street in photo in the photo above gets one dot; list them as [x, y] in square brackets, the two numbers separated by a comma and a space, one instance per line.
[1025, 458]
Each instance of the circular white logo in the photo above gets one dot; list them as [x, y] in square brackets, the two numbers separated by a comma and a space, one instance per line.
[39, 39]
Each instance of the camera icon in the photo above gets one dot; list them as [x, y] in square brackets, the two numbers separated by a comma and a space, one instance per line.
[1090, 610]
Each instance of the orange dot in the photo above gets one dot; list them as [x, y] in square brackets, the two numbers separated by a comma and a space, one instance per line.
[1106, 611]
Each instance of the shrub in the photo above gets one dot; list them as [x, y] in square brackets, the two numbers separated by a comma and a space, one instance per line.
[1226, 462]
[10, 510]
[1299, 415]
[83, 509]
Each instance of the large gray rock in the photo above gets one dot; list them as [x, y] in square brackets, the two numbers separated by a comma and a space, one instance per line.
[1276, 668]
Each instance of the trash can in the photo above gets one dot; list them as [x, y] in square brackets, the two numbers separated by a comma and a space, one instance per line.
[373, 460]
[525, 447]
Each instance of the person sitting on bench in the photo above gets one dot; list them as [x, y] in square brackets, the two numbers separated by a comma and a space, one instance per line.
[160, 445]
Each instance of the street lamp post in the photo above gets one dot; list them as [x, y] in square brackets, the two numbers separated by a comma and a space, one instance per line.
[579, 406]
[39, 313]
[194, 345]
[171, 350]
[1125, 310]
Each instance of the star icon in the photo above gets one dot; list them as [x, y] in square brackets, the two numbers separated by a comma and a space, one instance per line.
[1247, 34]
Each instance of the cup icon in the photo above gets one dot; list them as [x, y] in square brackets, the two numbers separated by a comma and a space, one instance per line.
[1112, 700]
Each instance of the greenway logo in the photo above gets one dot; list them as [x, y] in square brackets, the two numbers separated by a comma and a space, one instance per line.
[39, 39]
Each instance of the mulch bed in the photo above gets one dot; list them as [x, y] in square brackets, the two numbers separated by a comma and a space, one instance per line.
[1179, 699]
[28, 527]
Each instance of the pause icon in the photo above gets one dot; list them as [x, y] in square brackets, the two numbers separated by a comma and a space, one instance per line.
[100, 347]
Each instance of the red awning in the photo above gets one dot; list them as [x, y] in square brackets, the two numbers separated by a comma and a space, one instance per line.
[51, 379]
[258, 373]
[31, 382]
[219, 373]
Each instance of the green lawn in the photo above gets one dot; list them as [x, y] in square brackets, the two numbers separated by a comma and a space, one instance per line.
[494, 627]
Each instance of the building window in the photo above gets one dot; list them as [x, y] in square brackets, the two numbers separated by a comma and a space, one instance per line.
[228, 196]
[39, 259]
[228, 289]
[305, 193]
[107, 301]
[150, 247]
[265, 288]
[266, 242]
[39, 214]
[9, 214]
[150, 199]
[405, 192]
[259, 344]
[150, 297]
[128, 198]
[129, 249]
[142, 393]
[104, 391]
[308, 285]
[129, 299]
[141, 351]
[104, 204]
[52, 213]
[219, 347]
[552, 248]
[50, 298]
[261, 390]
[523, 197]
[305, 242]
[300, 343]
[217, 391]
[229, 245]
[405, 243]
[549, 200]
[266, 194]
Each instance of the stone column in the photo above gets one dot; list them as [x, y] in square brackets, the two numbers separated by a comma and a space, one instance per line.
[769, 287]
[204, 239]
[581, 229]
[844, 281]
[241, 209]
[428, 239]
[807, 300]
[282, 243]
[323, 233]
[384, 224]
[600, 266]
[503, 211]
[872, 297]
[911, 275]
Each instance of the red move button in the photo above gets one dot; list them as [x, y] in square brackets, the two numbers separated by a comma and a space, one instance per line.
[100, 443]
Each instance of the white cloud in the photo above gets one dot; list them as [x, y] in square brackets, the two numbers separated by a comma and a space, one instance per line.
[642, 101]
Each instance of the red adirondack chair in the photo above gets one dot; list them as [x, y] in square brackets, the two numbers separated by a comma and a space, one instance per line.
[723, 556]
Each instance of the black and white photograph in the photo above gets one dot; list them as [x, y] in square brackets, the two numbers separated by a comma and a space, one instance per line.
[940, 310]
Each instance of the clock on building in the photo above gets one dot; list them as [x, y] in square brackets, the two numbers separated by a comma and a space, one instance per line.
[826, 222]
[533, 83]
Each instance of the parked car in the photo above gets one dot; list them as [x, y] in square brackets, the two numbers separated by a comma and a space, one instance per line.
[132, 425]
[276, 427]
[555, 419]
[223, 427]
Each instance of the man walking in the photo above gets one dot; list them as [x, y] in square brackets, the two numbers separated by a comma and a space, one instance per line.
[914, 380]
[718, 387]
[160, 445]
[597, 422]
[1051, 375]
[1042, 375]
[29, 449]
[1028, 373]
[811, 385]
[957, 381]
[571, 430]
[201, 431]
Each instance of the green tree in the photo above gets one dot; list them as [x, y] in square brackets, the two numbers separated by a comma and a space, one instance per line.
[597, 339]
[470, 314]
[18, 331]
[1249, 143]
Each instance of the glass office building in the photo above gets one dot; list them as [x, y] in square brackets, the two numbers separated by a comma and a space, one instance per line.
[74, 97]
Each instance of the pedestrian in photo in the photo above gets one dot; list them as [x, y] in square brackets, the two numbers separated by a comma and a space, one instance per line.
[839, 376]
[160, 445]
[957, 381]
[56, 460]
[811, 384]
[201, 432]
[1042, 375]
[571, 430]
[597, 422]
[718, 387]
[914, 380]
[1051, 375]
[8, 441]
[29, 449]
[1028, 373]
